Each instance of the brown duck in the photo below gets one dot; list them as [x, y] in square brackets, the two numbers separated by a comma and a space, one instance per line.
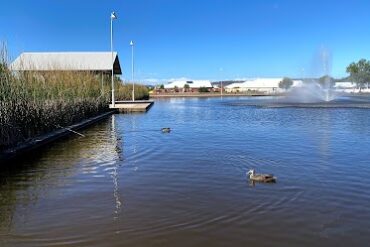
[166, 130]
[263, 178]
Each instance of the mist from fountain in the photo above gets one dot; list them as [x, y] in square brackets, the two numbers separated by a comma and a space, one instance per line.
[311, 92]
[314, 90]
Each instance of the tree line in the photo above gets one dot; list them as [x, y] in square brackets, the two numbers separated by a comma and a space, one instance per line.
[359, 73]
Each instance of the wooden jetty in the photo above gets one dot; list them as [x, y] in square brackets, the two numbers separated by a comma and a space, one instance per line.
[132, 106]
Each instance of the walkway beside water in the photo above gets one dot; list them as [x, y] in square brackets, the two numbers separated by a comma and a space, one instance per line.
[132, 106]
[45, 139]
[63, 131]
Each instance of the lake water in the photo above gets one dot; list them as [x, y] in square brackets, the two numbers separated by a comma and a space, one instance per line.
[128, 184]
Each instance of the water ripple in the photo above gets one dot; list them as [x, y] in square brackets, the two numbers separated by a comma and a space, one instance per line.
[127, 183]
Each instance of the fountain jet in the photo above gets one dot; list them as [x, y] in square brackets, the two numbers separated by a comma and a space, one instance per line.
[316, 90]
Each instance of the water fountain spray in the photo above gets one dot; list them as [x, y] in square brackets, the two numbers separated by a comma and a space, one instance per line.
[313, 90]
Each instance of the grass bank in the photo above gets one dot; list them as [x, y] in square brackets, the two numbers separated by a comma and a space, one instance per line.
[34, 103]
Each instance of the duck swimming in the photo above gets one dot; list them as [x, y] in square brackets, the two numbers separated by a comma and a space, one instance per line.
[263, 178]
[166, 130]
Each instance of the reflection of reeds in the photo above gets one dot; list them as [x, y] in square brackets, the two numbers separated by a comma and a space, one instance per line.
[34, 103]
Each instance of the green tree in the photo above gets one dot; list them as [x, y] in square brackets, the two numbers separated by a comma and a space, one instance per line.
[203, 90]
[186, 87]
[286, 83]
[161, 86]
[327, 81]
[360, 73]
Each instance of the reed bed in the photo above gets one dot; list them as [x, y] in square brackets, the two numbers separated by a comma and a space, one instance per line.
[34, 103]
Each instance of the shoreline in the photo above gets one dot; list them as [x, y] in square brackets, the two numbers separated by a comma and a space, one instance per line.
[40, 141]
[214, 95]
[205, 95]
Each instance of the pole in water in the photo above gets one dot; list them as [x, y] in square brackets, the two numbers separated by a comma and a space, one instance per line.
[75, 132]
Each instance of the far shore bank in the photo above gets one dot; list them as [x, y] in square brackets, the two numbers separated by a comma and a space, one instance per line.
[207, 95]
[182, 95]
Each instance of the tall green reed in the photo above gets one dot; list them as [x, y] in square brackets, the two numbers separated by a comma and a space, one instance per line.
[35, 103]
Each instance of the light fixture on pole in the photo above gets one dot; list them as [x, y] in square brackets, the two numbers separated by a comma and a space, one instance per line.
[132, 70]
[113, 16]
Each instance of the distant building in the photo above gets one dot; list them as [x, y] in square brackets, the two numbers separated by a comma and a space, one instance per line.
[219, 84]
[96, 62]
[298, 83]
[346, 87]
[193, 85]
[263, 85]
[237, 87]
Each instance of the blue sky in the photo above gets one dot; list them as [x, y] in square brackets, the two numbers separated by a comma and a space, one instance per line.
[198, 39]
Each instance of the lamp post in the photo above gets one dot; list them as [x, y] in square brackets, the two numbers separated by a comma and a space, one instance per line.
[132, 70]
[113, 16]
[221, 88]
